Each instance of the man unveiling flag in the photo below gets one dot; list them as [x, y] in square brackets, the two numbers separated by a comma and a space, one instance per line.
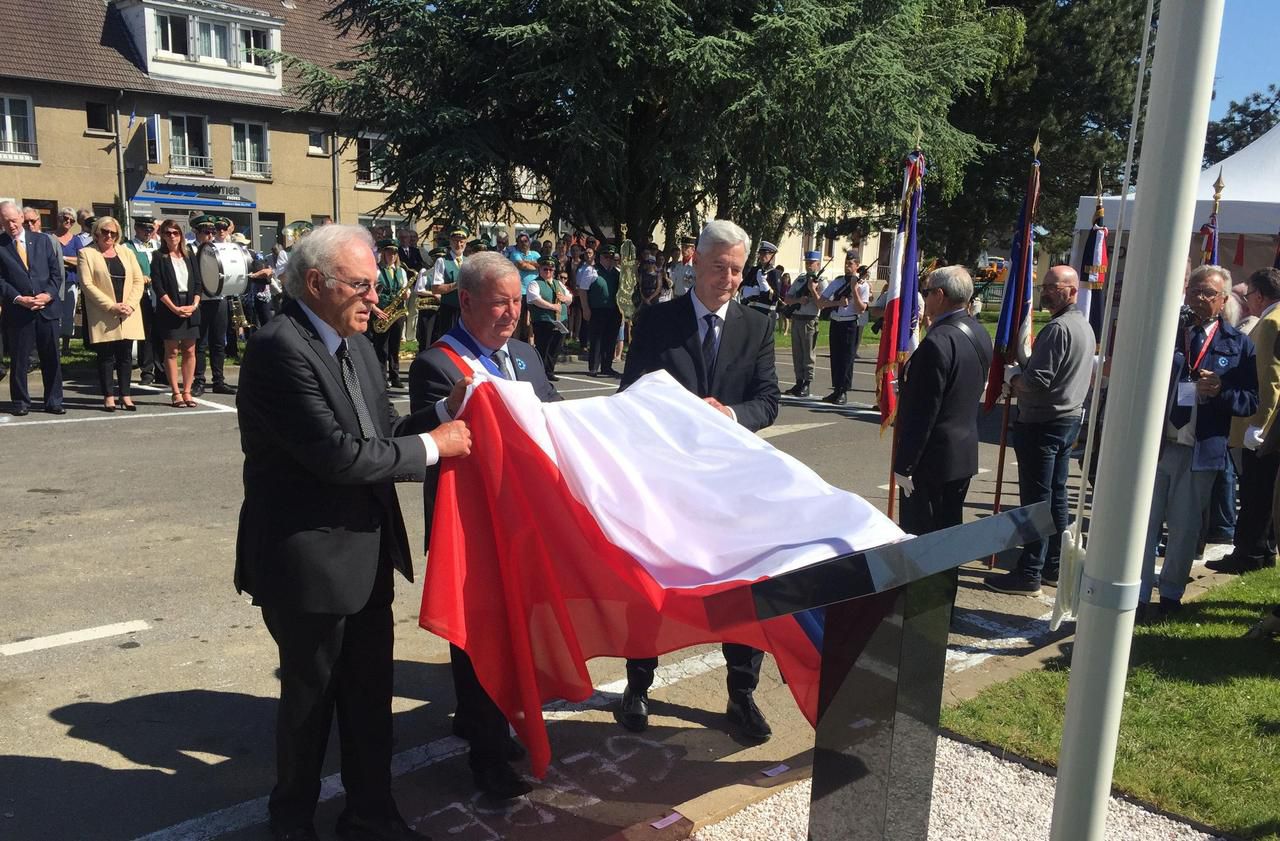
[900, 332]
[599, 527]
[1013, 333]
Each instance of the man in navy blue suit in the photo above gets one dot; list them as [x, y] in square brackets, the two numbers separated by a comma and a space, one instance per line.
[30, 274]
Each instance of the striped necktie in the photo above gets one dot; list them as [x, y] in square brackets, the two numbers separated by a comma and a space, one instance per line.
[352, 383]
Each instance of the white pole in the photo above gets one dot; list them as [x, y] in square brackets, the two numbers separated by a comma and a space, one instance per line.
[1177, 119]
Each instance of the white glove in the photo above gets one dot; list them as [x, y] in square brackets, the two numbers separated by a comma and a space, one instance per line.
[1010, 371]
[1253, 437]
[904, 482]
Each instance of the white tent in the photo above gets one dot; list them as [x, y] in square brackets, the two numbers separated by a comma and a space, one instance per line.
[1250, 206]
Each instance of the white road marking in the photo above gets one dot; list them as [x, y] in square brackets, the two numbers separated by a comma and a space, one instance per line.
[253, 812]
[788, 428]
[128, 416]
[1002, 639]
[72, 637]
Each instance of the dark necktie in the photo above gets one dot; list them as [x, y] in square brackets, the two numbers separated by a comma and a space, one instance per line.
[499, 358]
[352, 383]
[709, 344]
[1180, 416]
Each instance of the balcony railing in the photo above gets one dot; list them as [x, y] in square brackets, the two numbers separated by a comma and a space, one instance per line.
[18, 150]
[191, 163]
[251, 169]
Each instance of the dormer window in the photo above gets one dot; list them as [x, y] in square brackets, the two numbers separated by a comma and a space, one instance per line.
[252, 40]
[207, 42]
[213, 40]
[171, 34]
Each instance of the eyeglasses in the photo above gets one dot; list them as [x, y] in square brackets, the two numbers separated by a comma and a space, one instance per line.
[362, 288]
[1204, 293]
[107, 232]
[222, 227]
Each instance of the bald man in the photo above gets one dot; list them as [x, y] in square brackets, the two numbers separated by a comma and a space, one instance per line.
[1051, 392]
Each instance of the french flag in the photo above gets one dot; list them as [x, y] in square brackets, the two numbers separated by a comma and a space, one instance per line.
[1013, 331]
[900, 332]
[600, 527]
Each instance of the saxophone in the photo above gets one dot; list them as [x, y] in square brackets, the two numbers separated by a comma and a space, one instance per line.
[399, 309]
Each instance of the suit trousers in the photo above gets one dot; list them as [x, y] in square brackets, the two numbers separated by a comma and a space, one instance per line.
[742, 661]
[476, 715]
[213, 336]
[330, 662]
[115, 362]
[548, 340]
[69, 296]
[425, 329]
[1178, 502]
[602, 335]
[41, 335]
[1254, 537]
[804, 333]
[150, 349]
[844, 349]
[932, 506]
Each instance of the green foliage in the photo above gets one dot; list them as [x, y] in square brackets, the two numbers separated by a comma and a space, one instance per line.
[1243, 123]
[641, 111]
[1072, 82]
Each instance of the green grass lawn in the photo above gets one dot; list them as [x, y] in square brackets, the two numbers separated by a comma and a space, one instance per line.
[1200, 731]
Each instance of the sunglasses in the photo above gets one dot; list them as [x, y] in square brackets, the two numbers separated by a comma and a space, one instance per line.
[107, 232]
[222, 227]
[172, 232]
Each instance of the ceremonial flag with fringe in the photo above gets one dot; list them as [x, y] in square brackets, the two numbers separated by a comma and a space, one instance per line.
[1209, 243]
[1093, 273]
[600, 527]
[900, 331]
[1013, 332]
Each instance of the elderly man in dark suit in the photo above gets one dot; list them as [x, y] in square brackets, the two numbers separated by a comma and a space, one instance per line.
[30, 279]
[321, 530]
[490, 293]
[942, 386]
[723, 352]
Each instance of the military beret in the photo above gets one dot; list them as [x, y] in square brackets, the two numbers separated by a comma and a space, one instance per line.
[765, 245]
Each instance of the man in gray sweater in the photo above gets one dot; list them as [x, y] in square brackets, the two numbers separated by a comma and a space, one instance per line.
[1051, 393]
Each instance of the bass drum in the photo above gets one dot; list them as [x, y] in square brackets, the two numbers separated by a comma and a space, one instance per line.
[224, 269]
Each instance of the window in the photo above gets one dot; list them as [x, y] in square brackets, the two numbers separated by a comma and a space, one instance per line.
[251, 40]
[188, 148]
[97, 116]
[153, 139]
[171, 33]
[17, 129]
[368, 147]
[213, 40]
[317, 141]
[249, 154]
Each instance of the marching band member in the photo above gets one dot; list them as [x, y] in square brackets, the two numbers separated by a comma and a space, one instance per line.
[392, 286]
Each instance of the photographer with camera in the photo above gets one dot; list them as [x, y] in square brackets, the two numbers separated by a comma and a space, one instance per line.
[802, 302]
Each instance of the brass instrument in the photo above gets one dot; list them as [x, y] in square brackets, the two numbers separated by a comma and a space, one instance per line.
[427, 300]
[399, 309]
[628, 278]
[238, 319]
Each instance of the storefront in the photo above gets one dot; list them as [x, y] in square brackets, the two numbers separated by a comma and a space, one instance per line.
[180, 200]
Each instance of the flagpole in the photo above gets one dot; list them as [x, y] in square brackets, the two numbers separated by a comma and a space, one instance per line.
[1178, 114]
[1004, 441]
[893, 479]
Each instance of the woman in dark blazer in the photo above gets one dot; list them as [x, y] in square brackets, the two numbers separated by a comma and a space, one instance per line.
[175, 277]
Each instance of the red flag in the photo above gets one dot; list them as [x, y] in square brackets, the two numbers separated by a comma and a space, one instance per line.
[1239, 259]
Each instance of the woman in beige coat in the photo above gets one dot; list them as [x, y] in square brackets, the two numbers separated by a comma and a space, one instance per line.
[112, 284]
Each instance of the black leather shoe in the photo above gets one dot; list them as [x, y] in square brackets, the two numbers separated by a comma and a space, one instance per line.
[746, 716]
[395, 383]
[1236, 564]
[197, 390]
[512, 750]
[55, 410]
[802, 390]
[223, 388]
[294, 833]
[20, 411]
[633, 714]
[352, 828]
[501, 782]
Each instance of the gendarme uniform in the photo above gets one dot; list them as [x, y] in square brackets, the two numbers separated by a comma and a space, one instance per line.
[804, 327]
[682, 272]
[760, 284]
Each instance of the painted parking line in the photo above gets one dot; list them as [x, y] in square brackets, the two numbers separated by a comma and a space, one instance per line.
[72, 637]
[788, 428]
[241, 816]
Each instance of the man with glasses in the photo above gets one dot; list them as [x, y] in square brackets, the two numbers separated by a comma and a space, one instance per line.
[213, 315]
[30, 274]
[143, 244]
[1051, 391]
[937, 452]
[321, 533]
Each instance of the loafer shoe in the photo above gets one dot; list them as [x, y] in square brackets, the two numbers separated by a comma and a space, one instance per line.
[747, 718]
[1014, 584]
[223, 388]
[634, 712]
[501, 782]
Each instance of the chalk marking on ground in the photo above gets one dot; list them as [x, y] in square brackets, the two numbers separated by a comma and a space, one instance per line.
[72, 637]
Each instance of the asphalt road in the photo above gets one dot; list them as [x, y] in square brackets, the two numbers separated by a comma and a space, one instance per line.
[137, 689]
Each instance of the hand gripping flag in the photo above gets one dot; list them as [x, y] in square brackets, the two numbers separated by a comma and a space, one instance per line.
[600, 527]
[1013, 333]
[900, 332]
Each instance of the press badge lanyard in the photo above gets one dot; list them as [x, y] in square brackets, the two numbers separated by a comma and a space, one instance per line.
[1204, 349]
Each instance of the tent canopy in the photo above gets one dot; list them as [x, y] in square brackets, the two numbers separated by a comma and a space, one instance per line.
[1250, 200]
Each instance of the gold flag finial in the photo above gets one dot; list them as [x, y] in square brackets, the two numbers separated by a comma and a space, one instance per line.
[919, 135]
[1035, 147]
[1098, 209]
[1217, 191]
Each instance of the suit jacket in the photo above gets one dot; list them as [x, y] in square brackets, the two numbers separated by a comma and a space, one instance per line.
[99, 294]
[666, 338]
[42, 273]
[1264, 335]
[432, 376]
[1231, 357]
[320, 510]
[942, 387]
[165, 282]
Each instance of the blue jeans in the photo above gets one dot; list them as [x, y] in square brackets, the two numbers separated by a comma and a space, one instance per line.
[1044, 460]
